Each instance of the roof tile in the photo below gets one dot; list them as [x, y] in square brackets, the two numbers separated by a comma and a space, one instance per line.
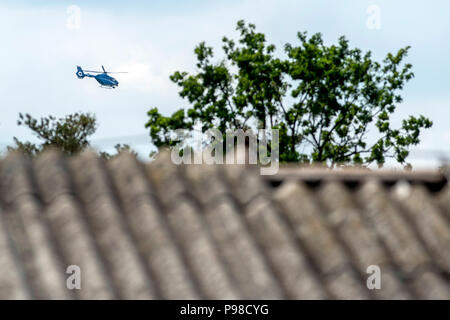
[157, 230]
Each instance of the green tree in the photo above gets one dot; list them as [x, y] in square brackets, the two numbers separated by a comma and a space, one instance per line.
[323, 99]
[69, 134]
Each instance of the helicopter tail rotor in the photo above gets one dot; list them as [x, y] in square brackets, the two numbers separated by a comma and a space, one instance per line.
[80, 73]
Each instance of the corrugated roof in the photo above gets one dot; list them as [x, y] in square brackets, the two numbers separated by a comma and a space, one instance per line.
[160, 231]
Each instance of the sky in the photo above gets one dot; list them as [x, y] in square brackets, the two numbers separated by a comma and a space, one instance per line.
[44, 41]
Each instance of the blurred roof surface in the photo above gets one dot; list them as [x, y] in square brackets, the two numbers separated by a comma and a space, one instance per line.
[160, 231]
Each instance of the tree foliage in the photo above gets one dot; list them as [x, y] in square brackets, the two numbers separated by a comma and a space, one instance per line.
[119, 149]
[323, 99]
[69, 134]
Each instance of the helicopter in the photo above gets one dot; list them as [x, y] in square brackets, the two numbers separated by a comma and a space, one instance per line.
[105, 80]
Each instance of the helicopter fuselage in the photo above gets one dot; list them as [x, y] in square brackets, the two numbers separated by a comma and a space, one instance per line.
[106, 80]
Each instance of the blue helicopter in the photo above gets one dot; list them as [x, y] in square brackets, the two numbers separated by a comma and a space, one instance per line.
[102, 77]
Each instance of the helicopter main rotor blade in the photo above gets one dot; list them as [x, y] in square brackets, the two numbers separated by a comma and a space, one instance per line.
[104, 71]
[93, 71]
